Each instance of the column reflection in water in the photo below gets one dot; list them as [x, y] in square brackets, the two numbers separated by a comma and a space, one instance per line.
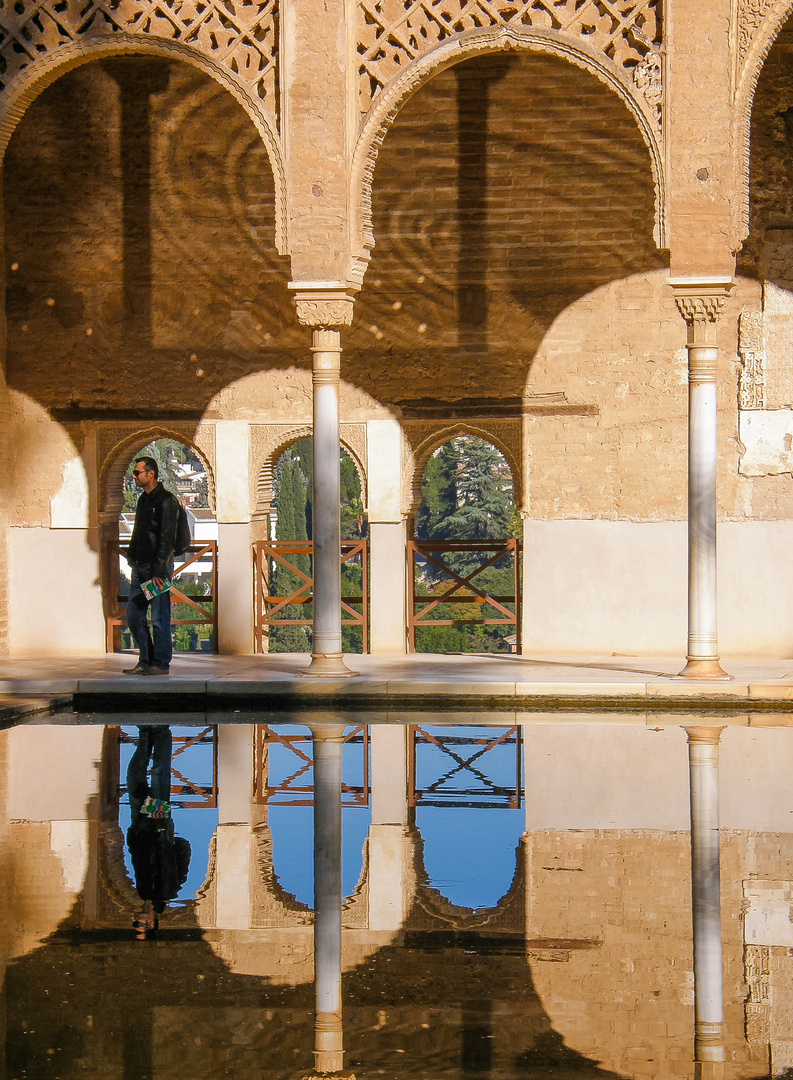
[703, 757]
[328, 1034]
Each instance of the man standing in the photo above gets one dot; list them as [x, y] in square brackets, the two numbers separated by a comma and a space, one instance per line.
[150, 555]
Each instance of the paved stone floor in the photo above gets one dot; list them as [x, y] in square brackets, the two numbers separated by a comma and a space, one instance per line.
[504, 683]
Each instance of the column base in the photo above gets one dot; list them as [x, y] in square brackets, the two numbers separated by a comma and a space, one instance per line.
[703, 669]
[708, 1070]
[328, 1074]
[328, 666]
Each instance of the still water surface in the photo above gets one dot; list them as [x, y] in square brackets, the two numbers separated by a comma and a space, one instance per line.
[518, 902]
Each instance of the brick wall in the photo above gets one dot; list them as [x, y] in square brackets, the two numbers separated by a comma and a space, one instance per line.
[140, 242]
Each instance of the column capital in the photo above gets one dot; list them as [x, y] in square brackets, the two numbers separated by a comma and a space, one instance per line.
[323, 303]
[700, 734]
[700, 301]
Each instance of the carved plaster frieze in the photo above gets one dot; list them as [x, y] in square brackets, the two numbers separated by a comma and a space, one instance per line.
[757, 1004]
[751, 348]
[751, 14]
[423, 437]
[392, 34]
[243, 38]
[323, 313]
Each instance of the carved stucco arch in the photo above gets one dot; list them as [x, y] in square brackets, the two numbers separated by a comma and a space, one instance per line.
[420, 454]
[388, 104]
[759, 24]
[40, 74]
[269, 455]
[116, 461]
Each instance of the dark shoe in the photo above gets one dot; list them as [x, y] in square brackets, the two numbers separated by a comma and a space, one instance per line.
[155, 671]
[139, 669]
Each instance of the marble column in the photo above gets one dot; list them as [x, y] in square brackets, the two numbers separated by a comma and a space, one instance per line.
[703, 757]
[322, 308]
[700, 302]
[328, 1033]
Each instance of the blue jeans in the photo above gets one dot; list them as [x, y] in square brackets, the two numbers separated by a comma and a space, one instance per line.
[155, 645]
[154, 744]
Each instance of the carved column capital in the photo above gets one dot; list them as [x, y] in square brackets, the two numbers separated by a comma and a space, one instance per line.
[700, 301]
[323, 303]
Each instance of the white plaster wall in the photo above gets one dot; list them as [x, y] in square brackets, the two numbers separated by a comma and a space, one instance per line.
[595, 587]
[387, 589]
[604, 586]
[632, 776]
[55, 606]
[235, 589]
[53, 771]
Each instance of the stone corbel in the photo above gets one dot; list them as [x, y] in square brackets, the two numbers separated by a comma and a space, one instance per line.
[323, 304]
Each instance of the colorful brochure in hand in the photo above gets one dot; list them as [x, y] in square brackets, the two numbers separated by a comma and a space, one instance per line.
[150, 590]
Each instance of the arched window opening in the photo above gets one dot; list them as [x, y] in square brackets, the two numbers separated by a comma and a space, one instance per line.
[183, 473]
[291, 526]
[465, 565]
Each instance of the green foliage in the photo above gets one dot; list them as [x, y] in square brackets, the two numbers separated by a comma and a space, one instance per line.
[438, 493]
[291, 495]
[466, 493]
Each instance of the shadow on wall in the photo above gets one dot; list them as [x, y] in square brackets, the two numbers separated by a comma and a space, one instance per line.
[142, 273]
[507, 188]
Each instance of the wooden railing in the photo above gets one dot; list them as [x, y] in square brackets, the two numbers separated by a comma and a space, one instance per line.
[455, 588]
[187, 790]
[274, 610]
[205, 606]
[284, 766]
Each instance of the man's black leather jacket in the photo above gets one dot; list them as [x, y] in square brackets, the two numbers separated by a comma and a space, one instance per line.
[153, 538]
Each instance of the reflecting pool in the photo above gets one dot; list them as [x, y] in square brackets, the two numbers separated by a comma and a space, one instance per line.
[569, 896]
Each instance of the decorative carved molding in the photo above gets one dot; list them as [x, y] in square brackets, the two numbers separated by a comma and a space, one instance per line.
[700, 308]
[422, 439]
[648, 78]
[241, 37]
[758, 23]
[116, 443]
[268, 442]
[381, 111]
[757, 1004]
[324, 312]
[751, 348]
[751, 14]
[392, 34]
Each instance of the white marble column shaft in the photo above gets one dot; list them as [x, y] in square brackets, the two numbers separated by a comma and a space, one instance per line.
[700, 303]
[703, 755]
[322, 305]
[328, 1035]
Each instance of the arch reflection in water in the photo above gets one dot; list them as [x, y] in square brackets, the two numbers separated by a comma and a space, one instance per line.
[190, 787]
[585, 968]
[455, 773]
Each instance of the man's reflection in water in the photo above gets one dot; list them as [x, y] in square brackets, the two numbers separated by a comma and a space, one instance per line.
[160, 859]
